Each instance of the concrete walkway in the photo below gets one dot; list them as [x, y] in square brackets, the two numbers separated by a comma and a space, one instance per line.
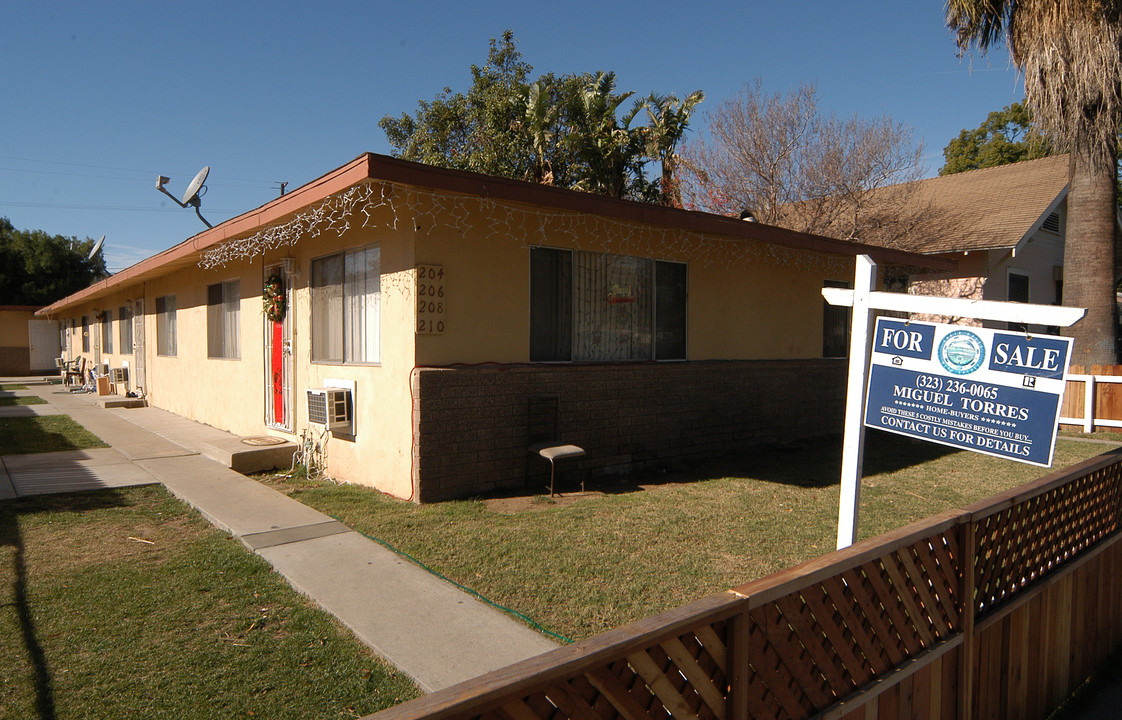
[427, 628]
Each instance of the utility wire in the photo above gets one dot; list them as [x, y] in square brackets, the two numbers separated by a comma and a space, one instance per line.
[146, 173]
[115, 208]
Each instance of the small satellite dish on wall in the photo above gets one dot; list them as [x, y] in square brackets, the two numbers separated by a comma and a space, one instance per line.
[191, 197]
[96, 247]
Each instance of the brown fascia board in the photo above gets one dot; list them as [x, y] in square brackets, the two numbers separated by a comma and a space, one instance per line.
[409, 173]
[186, 253]
[370, 166]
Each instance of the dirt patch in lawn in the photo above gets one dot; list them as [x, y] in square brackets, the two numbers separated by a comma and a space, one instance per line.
[512, 503]
[517, 504]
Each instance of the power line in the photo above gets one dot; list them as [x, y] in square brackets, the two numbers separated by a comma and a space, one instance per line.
[115, 208]
[146, 173]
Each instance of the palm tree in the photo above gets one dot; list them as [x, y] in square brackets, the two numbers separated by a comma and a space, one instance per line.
[542, 114]
[608, 150]
[668, 118]
[1069, 53]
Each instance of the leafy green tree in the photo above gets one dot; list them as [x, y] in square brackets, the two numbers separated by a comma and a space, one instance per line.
[1068, 55]
[608, 151]
[38, 269]
[548, 125]
[561, 130]
[482, 131]
[542, 115]
[668, 119]
[1007, 136]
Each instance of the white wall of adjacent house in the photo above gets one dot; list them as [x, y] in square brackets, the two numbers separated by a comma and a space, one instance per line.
[1029, 275]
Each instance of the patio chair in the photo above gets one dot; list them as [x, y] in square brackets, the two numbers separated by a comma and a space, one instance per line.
[542, 424]
[74, 370]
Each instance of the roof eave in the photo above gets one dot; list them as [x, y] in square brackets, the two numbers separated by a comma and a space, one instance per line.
[369, 166]
[1055, 204]
[350, 174]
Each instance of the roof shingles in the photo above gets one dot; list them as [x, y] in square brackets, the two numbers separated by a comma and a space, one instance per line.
[992, 208]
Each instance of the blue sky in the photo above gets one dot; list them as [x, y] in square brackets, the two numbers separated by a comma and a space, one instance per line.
[101, 97]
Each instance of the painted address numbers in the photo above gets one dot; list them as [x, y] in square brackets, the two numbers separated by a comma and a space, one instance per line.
[430, 299]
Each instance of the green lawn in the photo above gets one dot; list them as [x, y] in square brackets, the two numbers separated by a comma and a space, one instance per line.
[46, 433]
[658, 541]
[125, 604]
[22, 400]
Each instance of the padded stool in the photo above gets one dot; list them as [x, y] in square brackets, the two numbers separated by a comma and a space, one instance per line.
[553, 452]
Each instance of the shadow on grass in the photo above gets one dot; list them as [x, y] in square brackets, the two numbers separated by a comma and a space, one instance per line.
[46, 433]
[31, 435]
[811, 463]
[801, 462]
[10, 536]
[20, 400]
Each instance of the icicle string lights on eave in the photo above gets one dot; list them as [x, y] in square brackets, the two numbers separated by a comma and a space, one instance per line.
[391, 206]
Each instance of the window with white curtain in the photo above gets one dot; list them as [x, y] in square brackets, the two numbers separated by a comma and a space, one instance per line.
[165, 325]
[222, 314]
[107, 331]
[599, 307]
[124, 319]
[345, 298]
[613, 307]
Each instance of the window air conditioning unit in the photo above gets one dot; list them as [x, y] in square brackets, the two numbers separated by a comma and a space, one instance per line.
[120, 375]
[331, 408]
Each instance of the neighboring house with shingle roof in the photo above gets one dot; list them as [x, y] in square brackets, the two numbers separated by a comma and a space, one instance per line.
[1000, 208]
[1003, 225]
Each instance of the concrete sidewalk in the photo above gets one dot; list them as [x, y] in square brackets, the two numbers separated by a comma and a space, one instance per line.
[427, 628]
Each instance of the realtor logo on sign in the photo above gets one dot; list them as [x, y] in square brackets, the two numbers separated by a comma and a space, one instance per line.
[961, 352]
[978, 389]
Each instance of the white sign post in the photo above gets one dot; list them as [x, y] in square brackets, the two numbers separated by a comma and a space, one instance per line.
[863, 300]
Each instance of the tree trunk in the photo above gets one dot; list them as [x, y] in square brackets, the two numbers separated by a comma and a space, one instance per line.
[1089, 260]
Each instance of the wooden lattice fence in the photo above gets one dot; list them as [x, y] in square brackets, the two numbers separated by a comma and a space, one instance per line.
[996, 610]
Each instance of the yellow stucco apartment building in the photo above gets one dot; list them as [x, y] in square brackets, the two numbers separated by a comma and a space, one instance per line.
[460, 317]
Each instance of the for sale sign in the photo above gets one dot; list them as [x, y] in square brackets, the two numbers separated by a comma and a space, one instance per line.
[990, 391]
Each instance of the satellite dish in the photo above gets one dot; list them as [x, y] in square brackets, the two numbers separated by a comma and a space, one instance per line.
[191, 195]
[96, 247]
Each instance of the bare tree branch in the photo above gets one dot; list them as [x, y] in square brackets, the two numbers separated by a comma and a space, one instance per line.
[781, 158]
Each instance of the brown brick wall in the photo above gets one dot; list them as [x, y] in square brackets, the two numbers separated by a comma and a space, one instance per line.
[472, 425]
[15, 361]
